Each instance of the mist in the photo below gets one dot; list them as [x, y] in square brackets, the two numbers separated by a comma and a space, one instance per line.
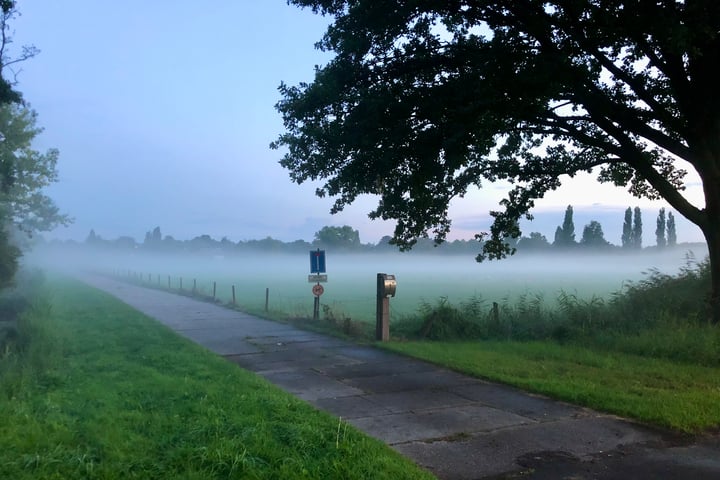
[350, 289]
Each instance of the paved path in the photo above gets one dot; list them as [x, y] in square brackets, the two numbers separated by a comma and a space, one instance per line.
[456, 426]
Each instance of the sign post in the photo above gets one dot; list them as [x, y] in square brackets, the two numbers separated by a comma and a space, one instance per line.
[317, 268]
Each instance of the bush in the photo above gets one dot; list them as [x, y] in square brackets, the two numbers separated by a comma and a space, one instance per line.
[660, 316]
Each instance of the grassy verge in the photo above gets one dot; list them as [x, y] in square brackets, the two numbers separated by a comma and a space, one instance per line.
[120, 396]
[680, 396]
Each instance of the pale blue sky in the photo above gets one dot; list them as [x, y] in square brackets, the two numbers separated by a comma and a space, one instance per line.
[163, 111]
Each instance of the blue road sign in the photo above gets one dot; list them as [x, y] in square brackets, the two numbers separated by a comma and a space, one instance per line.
[317, 261]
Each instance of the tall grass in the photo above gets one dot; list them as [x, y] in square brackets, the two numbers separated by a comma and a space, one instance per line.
[660, 316]
[29, 343]
[99, 391]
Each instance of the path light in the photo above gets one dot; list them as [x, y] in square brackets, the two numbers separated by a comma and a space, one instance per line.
[386, 286]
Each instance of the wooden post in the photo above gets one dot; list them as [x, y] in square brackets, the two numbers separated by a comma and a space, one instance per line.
[180, 283]
[233, 294]
[267, 298]
[382, 318]
[316, 308]
[194, 285]
[169, 287]
[214, 289]
[496, 313]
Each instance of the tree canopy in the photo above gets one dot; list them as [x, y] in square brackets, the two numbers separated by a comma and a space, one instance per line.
[338, 237]
[593, 236]
[425, 99]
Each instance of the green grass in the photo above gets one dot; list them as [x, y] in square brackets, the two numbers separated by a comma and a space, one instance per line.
[121, 396]
[675, 395]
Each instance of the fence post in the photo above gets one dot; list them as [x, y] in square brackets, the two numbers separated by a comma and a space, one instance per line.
[267, 298]
[169, 287]
[233, 294]
[180, 283]
[194, 285]
[214, 289]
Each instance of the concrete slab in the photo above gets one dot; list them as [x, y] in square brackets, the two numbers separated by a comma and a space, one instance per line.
[519, 402]
[437, 424]
[494, 453]
[369, 355]
[351, 407]
[374, 369]
[424, 380]
[309, 385]
[413, 401]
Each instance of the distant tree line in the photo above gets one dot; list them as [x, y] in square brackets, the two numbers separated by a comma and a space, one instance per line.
[337, 238]
[347, 239]
[593, 237]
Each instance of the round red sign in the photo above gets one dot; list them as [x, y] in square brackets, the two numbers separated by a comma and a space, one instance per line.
[318, 290]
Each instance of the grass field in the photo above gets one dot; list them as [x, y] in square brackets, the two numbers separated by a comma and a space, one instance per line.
[350, 289]
[675, 395]
[95, 390]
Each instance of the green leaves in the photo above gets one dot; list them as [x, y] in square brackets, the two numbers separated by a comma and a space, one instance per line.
[25, 172]
[426, 99]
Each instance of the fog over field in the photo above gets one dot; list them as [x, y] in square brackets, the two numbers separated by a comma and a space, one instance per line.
[350, 289]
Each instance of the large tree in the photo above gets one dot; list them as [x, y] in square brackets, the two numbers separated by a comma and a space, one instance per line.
[425, 99]
[22, 201]
[593, 236]
[344, 237]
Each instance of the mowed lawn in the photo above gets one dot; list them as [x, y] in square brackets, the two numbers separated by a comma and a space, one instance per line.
[108, 393]
[680, 396]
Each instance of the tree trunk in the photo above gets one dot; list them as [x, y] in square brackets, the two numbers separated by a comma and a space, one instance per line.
[711, 231]
[712, 236]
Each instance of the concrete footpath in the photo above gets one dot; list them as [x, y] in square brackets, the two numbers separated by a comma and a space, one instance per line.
[456, 426]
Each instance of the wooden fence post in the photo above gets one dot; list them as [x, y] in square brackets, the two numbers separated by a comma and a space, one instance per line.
[233, 295]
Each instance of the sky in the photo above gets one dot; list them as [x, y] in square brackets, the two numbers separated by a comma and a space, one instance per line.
[163, 113]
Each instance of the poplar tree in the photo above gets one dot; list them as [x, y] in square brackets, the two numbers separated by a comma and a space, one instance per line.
[637, 229]
[660, 230]
[627, 235]
[565, 235]
[671, 234]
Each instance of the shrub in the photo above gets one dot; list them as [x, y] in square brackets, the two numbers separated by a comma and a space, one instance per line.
[660, 316]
